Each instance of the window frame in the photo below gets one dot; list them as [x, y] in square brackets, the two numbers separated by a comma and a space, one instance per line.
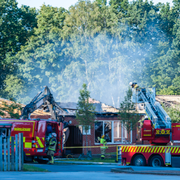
[112, 132]
[83, 130]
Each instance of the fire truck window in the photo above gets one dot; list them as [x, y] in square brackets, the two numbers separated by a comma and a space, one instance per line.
[108, 131]
[117, 131]
[98, 131]
[49, 129]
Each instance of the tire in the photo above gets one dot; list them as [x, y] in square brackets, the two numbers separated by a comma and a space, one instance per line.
[139, 160]
[156, 161]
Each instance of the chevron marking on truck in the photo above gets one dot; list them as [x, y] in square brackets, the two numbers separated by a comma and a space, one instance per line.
[140, 149]
[130, 148]
[176, 150]
[173, 149]
[122, 148]
[135, 149]
[125, 148]
[158, 149]
[152, 149]
[169, 150]
[147, 149]
[39, 142]
[144, 149]
[155, 149]
[161, 149]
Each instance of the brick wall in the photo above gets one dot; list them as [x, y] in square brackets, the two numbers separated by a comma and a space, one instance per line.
[91, 138]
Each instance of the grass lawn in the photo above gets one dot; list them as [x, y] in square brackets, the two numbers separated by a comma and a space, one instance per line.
[33, 168]
[93, 160]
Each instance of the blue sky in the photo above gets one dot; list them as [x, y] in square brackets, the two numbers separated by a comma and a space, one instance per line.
[62, 3]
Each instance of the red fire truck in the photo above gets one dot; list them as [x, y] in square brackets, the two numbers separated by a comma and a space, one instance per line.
[35, 134]
[158, 130]
[37, 131]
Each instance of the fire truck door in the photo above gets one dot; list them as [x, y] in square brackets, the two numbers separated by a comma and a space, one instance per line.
[40, 136]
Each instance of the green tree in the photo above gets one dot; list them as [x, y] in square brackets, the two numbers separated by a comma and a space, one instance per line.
[120, 7]
[101, 2]
[85, 114]
[127, 113]
[16, 26]
[103, 46]
[42, 58]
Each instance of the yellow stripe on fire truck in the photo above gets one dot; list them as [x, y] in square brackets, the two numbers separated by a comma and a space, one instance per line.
[150, 149]
[40, 142]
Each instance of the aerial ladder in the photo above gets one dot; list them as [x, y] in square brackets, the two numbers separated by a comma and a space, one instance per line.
[157, 128]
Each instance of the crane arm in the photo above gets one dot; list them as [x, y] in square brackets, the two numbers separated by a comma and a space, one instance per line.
[154, 110]
[43, 98]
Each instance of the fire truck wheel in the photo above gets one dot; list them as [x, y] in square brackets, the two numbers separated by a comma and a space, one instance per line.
[156, 161]
[139, 160]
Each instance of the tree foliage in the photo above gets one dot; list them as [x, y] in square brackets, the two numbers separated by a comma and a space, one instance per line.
[85, 111]
[16, 26]
[127, 113]
[104, 45]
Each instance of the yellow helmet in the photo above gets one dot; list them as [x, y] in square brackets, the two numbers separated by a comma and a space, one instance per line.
[102, 136]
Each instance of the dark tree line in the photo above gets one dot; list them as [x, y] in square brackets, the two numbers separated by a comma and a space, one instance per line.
[104, 46]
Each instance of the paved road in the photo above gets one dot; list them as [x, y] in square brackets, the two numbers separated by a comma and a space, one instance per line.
[80, 176]
[83, 172]
[97, 168]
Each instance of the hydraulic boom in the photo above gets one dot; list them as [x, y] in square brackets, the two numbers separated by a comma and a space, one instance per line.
[157, 128]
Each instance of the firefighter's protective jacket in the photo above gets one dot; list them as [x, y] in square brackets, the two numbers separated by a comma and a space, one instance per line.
[103, 143]
[52, 144]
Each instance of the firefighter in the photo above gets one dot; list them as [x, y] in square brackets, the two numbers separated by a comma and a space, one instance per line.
[103, 146]
[134, 85]
[52, 148]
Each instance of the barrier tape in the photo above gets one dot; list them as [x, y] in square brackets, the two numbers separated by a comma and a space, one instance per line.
[87, 147]
[110, 146]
